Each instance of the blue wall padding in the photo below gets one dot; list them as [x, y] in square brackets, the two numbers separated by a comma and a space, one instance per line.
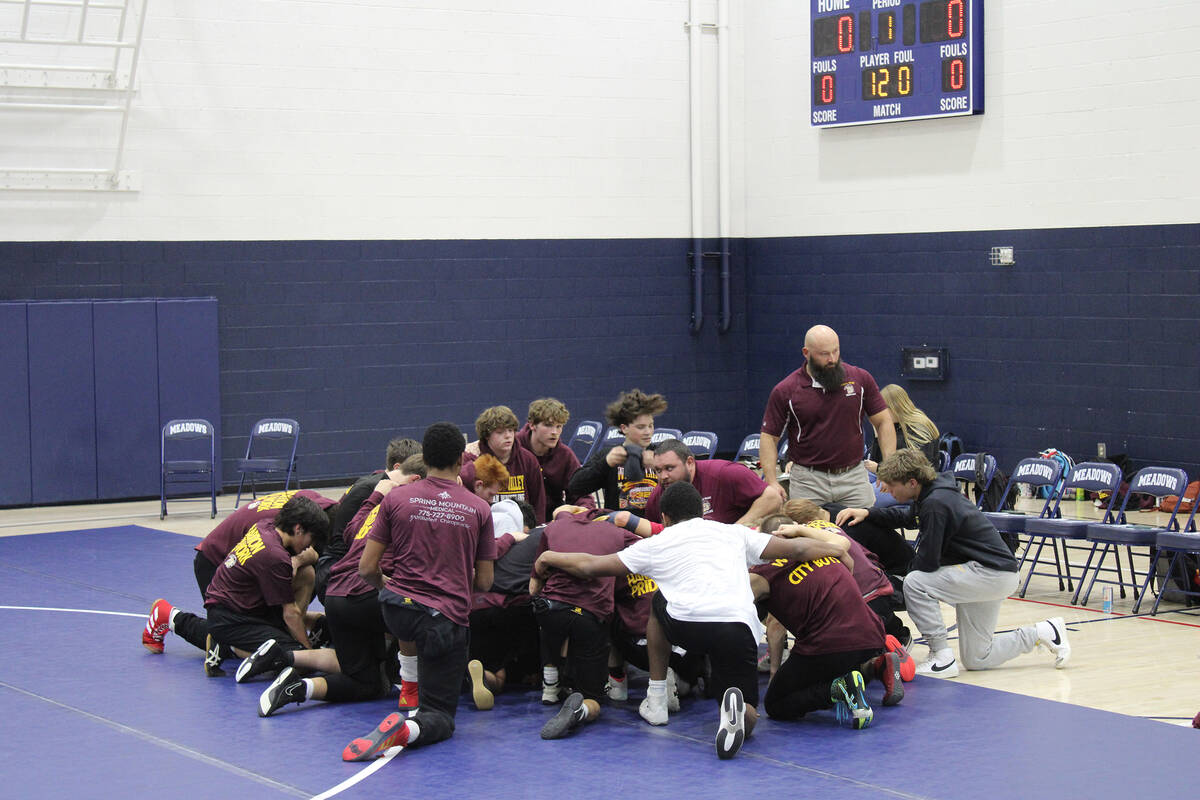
[127, 430]
[15, 487]
[189, 364]
[62, 402]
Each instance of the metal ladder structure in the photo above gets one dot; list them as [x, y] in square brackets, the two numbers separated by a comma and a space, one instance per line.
[68, 72]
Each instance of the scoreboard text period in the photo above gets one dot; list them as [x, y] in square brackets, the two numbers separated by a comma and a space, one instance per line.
[889, 60]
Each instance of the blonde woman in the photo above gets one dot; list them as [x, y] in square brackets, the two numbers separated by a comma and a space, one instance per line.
[913, 427]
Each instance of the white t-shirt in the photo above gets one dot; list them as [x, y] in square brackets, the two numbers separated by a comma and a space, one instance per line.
[701, 568]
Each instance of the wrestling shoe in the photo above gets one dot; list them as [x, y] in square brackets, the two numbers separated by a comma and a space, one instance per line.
[672, 691]
[568, 717]
[286, 688]
[483, 697]
[320, 636]
[392, 732]
[764, 662]
[212, 657]
[157, 625]
[908, 665]
[617, 689]
[732, 730]
[1052, 635]
[551, 694]
[939, 665]
[850, 702]
[654, 710]
[410, 697]
[269, 657]
[887, 670]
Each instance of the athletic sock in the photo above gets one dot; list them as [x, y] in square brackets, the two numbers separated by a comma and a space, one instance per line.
[414, 730]
[657, 688]
[408, 668]
[308, 688]
[550, 675]
[171, 619]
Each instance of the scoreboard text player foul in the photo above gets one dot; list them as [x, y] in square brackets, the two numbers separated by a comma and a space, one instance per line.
[889, 60]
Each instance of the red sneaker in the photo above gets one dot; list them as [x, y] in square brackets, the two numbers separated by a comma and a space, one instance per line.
[157, 625]
[391, 732]
[409, 696]
[887, 669]
[908, 667]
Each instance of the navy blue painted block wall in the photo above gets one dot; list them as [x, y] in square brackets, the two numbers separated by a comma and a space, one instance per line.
[1092, 336]
[363, 340]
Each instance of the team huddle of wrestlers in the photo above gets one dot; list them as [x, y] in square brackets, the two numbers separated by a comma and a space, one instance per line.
[506, 565]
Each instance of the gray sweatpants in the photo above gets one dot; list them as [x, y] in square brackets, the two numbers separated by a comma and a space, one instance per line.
[976, 593]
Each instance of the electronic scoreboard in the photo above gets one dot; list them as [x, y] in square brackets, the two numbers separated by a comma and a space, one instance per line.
[890, 60]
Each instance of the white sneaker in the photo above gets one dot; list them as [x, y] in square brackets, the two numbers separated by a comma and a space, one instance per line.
[617, 689]
[654, 710]
[1052, 634]
[939, 665]
[672, 691]
[550, 694]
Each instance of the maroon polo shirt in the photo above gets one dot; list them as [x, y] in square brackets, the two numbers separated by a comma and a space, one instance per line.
[728, 491]
[435, 531]
[573, 533]
[820, 604]
[824, 424]
[256, 575]
[558, 465]
[217, 544]
[524, 476]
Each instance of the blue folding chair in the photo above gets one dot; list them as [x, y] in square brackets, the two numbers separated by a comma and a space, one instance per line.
[184, 438]
[583, 441]
[748, 450]
[1156, 481]
[1035, 472]
[612, 435]
[662, 434]
[703, 444]
[278, 436]
[1090, 476]
[1179, 543]
[964, 470]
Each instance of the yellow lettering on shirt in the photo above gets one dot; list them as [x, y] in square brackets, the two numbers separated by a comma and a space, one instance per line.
[640, 585]
[250, 544]
[516, 483]
[365, 528]
[273, 502]
[805, 568]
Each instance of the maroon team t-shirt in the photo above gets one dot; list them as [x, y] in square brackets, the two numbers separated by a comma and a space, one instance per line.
[524, 477]
[344, 580]
[217, 544]
[573, 533]
[435, 531]
[820, 604]
[558, 465]
[728, 491]
[255, 575]
[824, 425]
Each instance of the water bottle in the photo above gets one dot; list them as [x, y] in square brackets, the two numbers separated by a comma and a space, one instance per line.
[1108, 599]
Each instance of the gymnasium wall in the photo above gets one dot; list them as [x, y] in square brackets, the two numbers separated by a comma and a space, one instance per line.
[410, 212]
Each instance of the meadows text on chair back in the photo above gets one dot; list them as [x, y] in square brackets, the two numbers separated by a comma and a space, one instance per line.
[703, 444]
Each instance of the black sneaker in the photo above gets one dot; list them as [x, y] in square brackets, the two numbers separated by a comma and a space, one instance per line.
[568, 717]
[212, 657]
[286, 688]
[732, 731]
[268, 657]
[319, 636]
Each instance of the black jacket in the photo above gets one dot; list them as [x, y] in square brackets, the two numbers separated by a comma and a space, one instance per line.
[951, 529]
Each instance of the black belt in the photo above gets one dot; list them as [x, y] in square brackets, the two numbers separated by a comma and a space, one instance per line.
[543, 605]
[833, 470]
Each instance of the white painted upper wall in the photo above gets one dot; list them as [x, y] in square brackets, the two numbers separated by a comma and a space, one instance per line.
[1090, 120]
[395, 119]
[410, 119]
